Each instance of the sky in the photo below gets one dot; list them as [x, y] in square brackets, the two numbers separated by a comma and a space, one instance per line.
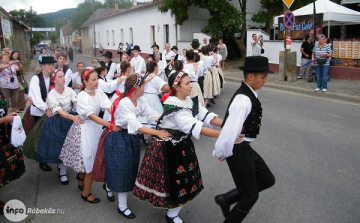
[43, 6]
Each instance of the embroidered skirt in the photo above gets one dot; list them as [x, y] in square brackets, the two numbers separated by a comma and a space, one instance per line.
[122, 158]
[99, 163]
[31, 143]
[11, 158]
[169, 175]
[71, 154]
[53, 134]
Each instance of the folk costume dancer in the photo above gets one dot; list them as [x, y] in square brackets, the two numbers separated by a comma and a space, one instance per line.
[122, 148]
[55, 128]
[169, 176]
[249, 171]
[34, 117]
[80, 145]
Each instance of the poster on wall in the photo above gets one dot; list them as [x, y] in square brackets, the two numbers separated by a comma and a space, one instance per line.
[303, 25]
[7, 26]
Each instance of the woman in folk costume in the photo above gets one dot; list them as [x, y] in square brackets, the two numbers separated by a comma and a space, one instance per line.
[55, 128]
[209, 62]
[218, 66]
[122, 148]
[79, 148]
[194, 70]
[169, 176]
[154, 87]
[215, 73]
[11, 158]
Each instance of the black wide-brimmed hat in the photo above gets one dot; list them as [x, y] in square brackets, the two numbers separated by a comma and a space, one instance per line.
[174, 47]
[195, 43]
[45, 60]
[136, 47]
[108, 54]
[256, 64]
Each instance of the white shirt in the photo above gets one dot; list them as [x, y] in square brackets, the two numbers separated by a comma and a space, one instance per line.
[111, 71]
[107, 86]
[168, 55]
[183, 120]
[256, 48]
[118, 70]
[138, 65]
[161, 67]
[87, 104]
[239, 109]
[68, 76]
[190, 70]
[208, 62]
[64, 101]
[126, 114]
[38, 109]
[77, 81]
[219, 59]
[154, 85]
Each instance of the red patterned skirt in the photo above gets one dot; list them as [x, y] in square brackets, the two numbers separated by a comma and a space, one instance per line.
[169, 174]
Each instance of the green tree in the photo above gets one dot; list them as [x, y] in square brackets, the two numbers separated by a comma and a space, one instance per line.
[224, 17]
[84, 11]
[122, 4]
[31, 19]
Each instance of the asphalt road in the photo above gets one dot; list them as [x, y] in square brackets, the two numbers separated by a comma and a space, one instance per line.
[310, 144]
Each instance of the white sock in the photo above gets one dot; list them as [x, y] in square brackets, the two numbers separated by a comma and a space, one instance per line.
[173, 213]
[62, 171]
[123, 202]
[110, 194]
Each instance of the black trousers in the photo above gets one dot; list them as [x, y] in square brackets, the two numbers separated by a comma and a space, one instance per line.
[250, 173]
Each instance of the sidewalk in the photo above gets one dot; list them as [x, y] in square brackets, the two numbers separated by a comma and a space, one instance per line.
[339, 89]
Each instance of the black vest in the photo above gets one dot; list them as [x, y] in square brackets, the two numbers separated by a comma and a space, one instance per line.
[251, 126]
[197, 57]
[42, 86]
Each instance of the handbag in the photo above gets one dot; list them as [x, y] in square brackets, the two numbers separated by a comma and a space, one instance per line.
[24, 85]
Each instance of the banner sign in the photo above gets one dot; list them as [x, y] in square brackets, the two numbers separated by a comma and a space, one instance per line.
[303, 25]
[35, 29]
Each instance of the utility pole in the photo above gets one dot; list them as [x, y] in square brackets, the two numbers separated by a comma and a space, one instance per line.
[314, 23]
[93, 24]
[31, 25]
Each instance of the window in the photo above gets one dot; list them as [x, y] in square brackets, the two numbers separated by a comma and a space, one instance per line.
[122, 35]
[152, 35]
[130, 35]
[113, 37]
[107, 37]
[166, 33]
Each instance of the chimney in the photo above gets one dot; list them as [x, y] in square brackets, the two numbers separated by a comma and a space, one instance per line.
[134, 2]
[116, 7]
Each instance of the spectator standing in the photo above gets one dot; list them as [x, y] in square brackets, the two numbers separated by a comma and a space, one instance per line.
[306, 51]
[256, 45]
[321, 56]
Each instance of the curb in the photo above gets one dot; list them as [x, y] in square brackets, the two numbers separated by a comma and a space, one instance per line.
[327, 95]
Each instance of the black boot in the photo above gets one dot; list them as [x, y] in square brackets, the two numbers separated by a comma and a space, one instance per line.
[212, 101]
[227, 199]
[236, 216]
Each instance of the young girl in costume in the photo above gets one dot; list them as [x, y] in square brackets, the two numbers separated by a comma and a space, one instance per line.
[122, 148]
[54, 129]
[194, 70]
[169, 176]
[81, 142]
